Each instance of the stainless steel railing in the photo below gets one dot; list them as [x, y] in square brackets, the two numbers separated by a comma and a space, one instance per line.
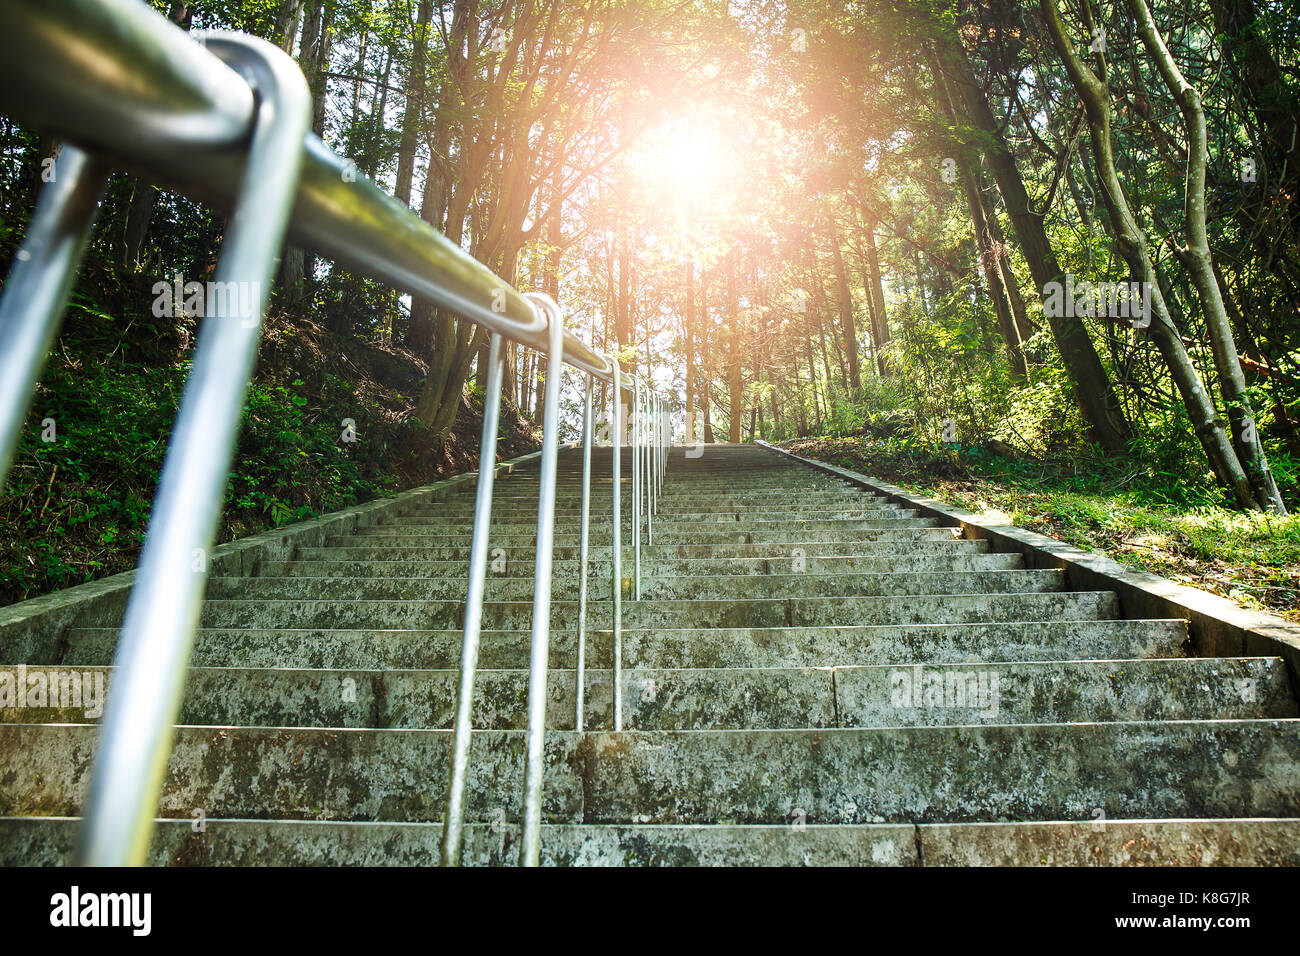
[224, 118]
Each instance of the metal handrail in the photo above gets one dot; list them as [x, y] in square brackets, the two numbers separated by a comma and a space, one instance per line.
[616, 551]
[162, 613]
[228, 125]
[39, 282]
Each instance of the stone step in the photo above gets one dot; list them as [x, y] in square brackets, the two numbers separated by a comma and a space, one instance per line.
[778, 612]
[666, 647]
[50, 841]
[899, 533]
[572, 519]
[523, 485]
[653, 587]
[705, 699]
[329, 565]
[571, 502]
[349, 547]
[950, 774]
[669, 530]
[522, 496]
[729, 529]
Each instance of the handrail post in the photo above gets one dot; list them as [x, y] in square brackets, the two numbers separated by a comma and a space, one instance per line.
[163, 611]
[40, 278]
[667, 440]
[649, 467]
[664, 422]
[454, 822]
[617, 553]
[535, 753]
[637, 481]
[582, 547]
[659, 450]
[654, 451]
[658, 446]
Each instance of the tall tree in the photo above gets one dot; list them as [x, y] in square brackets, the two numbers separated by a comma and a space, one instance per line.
[1132, 245]
[1092, 386]
[1196, 256]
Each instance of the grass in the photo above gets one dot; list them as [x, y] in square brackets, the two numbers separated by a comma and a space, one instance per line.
[1143, 520]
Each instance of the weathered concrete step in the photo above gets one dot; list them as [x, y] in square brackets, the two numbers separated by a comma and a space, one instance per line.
[653, 699]
[928, 541]
[1214, 768]
[349, 547]
[678, 495]
[1046, 692]
[849, 585]
[50, 841]
[1141, 770]
[573, 519]
[702, 699]
[667, 647]
[521, 496]
[675, 495]
[897, 644]
[570, 494]
[728, 529]
[653, 587]
[750, 502]
[524, 487]
[598, 566]
[902, 533]
[670, 530]
[879, 562]
[779, 612]
[791, 512]
[755, 477]
[679, 472]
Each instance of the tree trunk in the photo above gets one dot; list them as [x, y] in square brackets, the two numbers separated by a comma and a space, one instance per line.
[622, 314]
[413, 116]
[1283, 425]
[734, 382]
[879, 316]
[551, 269]
[846, 316]
[1132, 245]
[998, 241]
[313, 58]
[438, 184]
[992, 268]
[1092, 386]
[286, 24]
[140, 215]
[1260, 82]
[812, 372]
[1200, 263]
[989, 257]
[138, 219]
[689, 337]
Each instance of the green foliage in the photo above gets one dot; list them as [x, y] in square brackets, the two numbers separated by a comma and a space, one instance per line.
[77, 507]
[282, 441]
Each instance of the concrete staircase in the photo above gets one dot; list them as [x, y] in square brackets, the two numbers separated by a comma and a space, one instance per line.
[814, 676]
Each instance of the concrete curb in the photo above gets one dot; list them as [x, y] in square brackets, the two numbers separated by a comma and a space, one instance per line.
[33, 631]
[1218, 627]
